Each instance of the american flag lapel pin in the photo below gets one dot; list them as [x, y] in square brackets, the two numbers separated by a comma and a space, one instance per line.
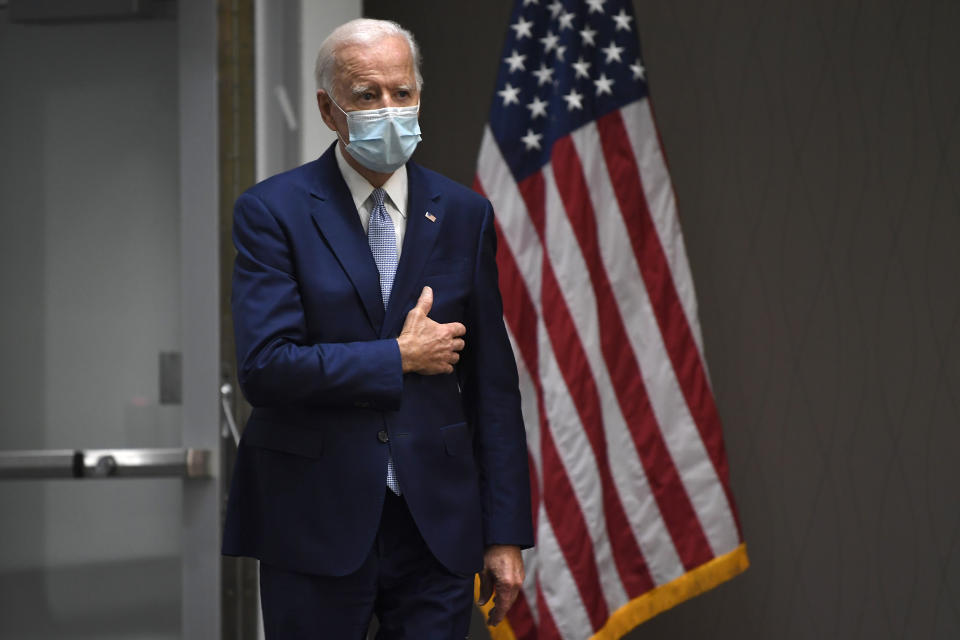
[429, 216]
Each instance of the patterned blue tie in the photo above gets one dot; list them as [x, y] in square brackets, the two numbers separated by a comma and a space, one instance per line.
[383, 246]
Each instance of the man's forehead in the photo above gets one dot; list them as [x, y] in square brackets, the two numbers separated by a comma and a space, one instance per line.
[391, 52]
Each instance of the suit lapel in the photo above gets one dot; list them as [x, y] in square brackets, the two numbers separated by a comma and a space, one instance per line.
[338, 222]
[418, 241]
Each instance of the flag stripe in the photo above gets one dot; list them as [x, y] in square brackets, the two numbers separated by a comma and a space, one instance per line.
[559, 598]
[582, 476]
[562, 508]
[667, 400]
[681, 347]
[671, 495]
[547, 628]
[574, 448]
[576, 324]
[520, 617]
[662, 204]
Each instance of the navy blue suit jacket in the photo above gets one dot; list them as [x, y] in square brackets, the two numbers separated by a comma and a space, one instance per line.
[319, 362]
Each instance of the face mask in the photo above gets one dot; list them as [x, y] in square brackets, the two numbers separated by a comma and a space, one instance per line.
[382, 140]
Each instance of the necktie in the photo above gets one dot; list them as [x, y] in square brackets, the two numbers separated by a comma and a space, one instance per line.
[383, 246]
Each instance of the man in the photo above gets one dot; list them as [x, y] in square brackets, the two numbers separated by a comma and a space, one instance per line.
[384, 463]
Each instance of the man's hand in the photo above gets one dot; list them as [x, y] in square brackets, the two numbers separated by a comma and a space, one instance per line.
[502, 574]
[426, 346]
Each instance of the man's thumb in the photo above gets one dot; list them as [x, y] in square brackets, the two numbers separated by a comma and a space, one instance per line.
[425, 302]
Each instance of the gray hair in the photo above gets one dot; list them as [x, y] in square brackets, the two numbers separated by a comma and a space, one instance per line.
[359, 31]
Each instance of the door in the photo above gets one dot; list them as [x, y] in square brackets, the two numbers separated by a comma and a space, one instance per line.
[105, 327]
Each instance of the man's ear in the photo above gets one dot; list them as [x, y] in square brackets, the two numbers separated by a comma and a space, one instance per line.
[326, 109]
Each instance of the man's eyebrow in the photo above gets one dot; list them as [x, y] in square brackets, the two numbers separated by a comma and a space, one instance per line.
[359, 89]
[405, 87]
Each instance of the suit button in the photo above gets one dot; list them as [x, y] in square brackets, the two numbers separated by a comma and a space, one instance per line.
[382, 436]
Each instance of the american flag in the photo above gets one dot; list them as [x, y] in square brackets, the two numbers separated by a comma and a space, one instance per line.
[632, 502]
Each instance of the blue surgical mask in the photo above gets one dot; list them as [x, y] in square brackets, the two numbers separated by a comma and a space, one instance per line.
[382, 140]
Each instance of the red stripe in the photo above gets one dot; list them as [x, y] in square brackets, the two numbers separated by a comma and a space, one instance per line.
[521, 619]
[668, 489]
[547, 628]
[572, 358]
[560, 502]
[655, 270]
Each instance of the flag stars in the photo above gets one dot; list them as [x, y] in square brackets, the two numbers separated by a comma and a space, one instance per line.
[544, 75]
[549, 42]
[596, 6]
[582, 67]
[532, 140]
[515, 60]
[538, 108]
[612, 52]
[622, 20]
[560, 52]
[529, 2]
[566, 20]
[522, 28]
[555, 8]
[587, 35]
[574, 100]
[639, 72]
[603, 85]
[509, 94]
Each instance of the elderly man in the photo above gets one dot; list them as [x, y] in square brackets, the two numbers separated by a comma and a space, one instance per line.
[384, 463]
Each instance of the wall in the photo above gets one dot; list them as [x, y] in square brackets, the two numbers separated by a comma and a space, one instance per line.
[815, 149]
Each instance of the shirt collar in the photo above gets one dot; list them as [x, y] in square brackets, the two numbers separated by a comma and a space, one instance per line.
[360, 189]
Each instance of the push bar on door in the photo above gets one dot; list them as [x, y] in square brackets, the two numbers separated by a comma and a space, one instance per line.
[104, 463]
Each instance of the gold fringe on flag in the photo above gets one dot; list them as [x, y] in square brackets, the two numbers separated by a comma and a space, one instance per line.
[657, 600]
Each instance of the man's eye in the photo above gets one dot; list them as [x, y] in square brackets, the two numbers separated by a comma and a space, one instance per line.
[367, 96]
[403, 94]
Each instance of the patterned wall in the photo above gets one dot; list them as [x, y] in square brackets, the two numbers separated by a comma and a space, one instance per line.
[815, 150]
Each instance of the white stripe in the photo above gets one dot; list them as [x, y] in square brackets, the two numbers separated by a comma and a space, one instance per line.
[667, 401]
[511, 212]
[581, 468]
[559, 588]
[658, 189]
[628, 473]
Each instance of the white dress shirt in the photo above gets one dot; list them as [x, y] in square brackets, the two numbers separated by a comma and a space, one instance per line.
[360, 190]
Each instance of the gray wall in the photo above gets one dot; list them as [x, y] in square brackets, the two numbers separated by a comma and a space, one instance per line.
[815, 151]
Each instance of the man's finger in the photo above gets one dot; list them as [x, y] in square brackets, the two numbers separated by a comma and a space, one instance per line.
[425, 301]
[502, 603]
[457, 329]
[486, 587]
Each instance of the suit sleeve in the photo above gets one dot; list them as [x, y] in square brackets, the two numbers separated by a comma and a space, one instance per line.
[277, 365]
[488, 375]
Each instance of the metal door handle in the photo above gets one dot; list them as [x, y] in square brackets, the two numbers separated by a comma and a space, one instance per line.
[104, 463]
[226, 403]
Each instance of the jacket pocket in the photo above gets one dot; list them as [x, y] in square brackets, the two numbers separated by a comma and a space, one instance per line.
[300, 441]
[456, 439]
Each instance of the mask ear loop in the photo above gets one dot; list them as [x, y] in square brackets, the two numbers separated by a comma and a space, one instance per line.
[346, 143]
